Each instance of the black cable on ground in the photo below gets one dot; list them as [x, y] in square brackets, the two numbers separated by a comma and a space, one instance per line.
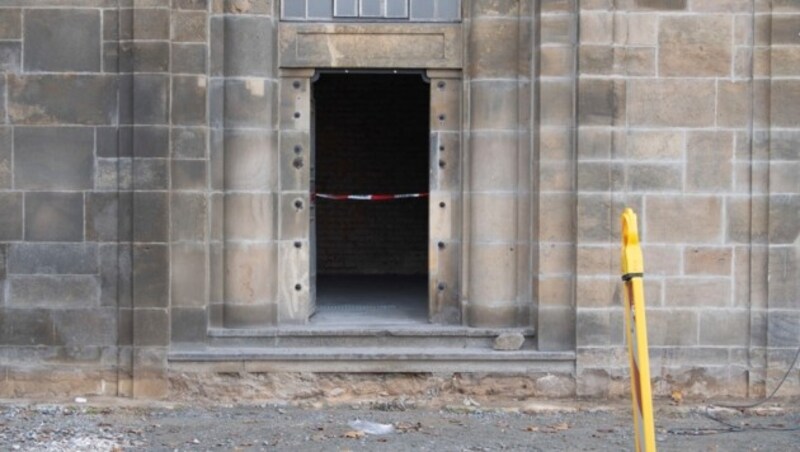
[731, 428]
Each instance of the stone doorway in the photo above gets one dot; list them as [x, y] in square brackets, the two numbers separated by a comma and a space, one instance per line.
[371, 136]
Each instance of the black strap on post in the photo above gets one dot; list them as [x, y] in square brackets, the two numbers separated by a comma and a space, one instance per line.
[629, 276]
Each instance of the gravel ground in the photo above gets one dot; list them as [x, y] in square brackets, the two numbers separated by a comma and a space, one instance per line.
[112, 425]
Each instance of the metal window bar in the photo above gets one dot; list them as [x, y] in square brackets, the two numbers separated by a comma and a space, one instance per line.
[404, 10]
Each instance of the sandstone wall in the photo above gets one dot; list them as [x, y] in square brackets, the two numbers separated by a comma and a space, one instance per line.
[148, 188]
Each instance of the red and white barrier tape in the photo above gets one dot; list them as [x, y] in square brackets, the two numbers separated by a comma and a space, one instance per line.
[380, 197]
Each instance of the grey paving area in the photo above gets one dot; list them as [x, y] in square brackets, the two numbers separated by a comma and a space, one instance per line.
[371, 300]
[106, 426]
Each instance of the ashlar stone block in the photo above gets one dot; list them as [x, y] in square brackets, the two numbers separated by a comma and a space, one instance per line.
[11, 218]
[188, 279]
[58, 291]
[10, 56]
[62, 40]
[54, 216]
[54, 158]
[695, 45]
[37, 258]
[248, 46]
[5, 157]
[62, 99]
[150, 276]
[189, 100]
[665, 219]
[10, 23]
[671, 102]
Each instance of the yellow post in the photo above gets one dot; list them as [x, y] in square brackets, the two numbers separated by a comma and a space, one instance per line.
[636, 335]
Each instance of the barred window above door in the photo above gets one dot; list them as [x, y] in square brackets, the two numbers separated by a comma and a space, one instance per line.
[372, 10]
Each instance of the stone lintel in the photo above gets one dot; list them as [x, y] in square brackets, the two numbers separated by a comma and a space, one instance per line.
[371, 45]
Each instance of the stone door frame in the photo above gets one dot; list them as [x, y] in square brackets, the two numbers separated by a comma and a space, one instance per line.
[296, 282]
[303, 51]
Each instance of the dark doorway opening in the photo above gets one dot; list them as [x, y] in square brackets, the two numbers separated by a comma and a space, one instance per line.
[371, 137]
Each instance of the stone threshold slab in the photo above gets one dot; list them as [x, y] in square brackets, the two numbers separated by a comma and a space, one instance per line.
[383, 331]
[367, 359]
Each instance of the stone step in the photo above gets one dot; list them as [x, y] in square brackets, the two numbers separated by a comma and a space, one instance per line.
[366, 359]
[422, 336]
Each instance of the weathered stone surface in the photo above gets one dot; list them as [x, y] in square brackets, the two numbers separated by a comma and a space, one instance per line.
[144, 23]
[493, 46]
[672, 327]
[57, 291]
[695, 45]
[709, 157]
[5, 158]
[145, 141]
[250, 160]
[250, 217]
[785, 103]
[247, 103]
[691, 292]
[54, 158]
[10, 23]
[708, 261]
[189, 142]
[82, 327]
[250, 271]
[188, 283]
[151, 219]
[508, 341]
[34, 258]
[11, 218]
[154, 88]
[150, 328]
[667, 5]
[671, 102]
[734, 103]
[237, 54]
[493, 105]
[10, 56]
[188, 324]
[150, 174]
[189, 217]
[189, 100]
[26, 327]
[189, 26]
[189, 58]
[70, 99]
[66, 40]
[142, 57]
[601, 102]
[784, 219]
[54, 217]
[105, 220]
[150, 276]
[666, 219]
[188, 174]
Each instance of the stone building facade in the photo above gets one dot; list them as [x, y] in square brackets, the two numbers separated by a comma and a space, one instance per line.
[156, 190]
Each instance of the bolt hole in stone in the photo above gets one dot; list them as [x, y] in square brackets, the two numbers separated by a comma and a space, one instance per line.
[298, 163]
[441, 286]
[298, 204]
[298, 149]
[440, 245]
[442, 205]
[441, 85]
[442, 164]
[441, 147]
[298, 287]
[442, 117]
[298, 245]
[296, 114]
[296, 84]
